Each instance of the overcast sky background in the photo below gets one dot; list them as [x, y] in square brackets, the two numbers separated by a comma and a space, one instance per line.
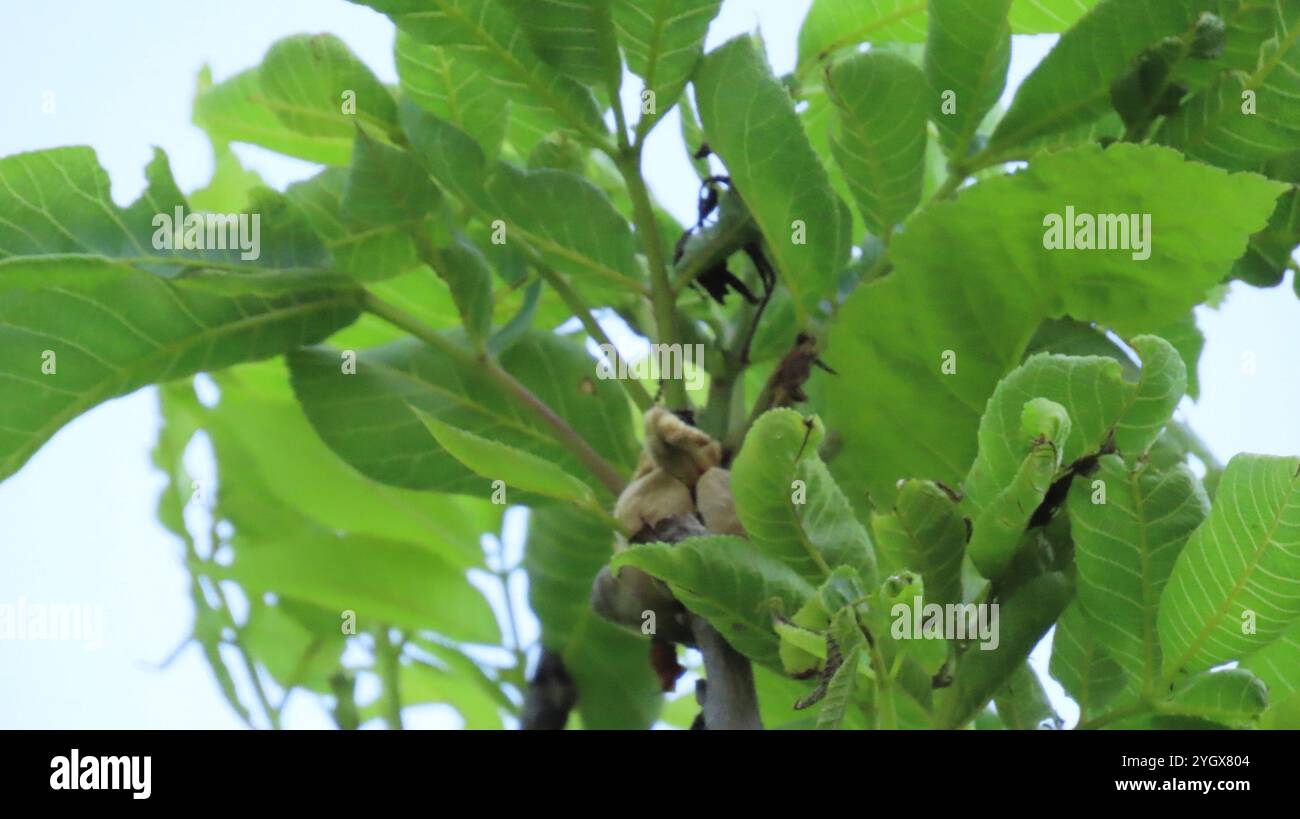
[77, 522]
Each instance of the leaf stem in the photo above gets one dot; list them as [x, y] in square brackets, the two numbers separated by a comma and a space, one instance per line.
[562, 432]
[502, 573]
[634, 389]
[389, 665]
[662, 296]
[886, 713]
[250, 667]
[620, 119]
[956, 176]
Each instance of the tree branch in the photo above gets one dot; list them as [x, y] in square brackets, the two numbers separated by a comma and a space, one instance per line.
[727, 694]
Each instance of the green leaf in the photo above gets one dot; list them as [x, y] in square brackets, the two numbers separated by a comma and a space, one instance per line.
[236, 110]
[487, 33]
[1103, 409]
[280, 550]
[1269, 254]
[777, 696]
[790, 505]
[366, 418]
[59, 217]
[567, 219]
[423, 684]
[726, 580]
[168, 456]
[1071, 86]
[1076, 338]
[839, 693]
[1125, 548]
[1215, 125]
[926, 533]
[751, 124]
[1233, 696]
[386, 185]
[833, 25]
[519, 324]
[231, 185]
[1283, 714]
[574, 36]
[1278, 664]
[420, 293]
[492, 460]
[257, 426]
[1149, 88]
[1024, 618]
[453, 88]
[1081, 665]
[1066, 336]
[1001, 520]
[467, 274]
[693, 137]
[1023, 704]
[1232, 590]
[967, 53]
[1187, 339]
[818, 115]
[1005, 487]
[367, 253]
[847, 633]
[69, 287]
[663, 41]
[879, 141]
[178, 428]
[902, 415]
[806, 636]
[1047, 16]
[381, 580]
[230, 252]
[294, 103]
[566, 549]
[307, 79]
[1179, 441]
[293, 653]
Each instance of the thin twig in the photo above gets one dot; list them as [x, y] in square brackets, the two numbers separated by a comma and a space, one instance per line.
[562, 432]
[502, 574]
[634, 388]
